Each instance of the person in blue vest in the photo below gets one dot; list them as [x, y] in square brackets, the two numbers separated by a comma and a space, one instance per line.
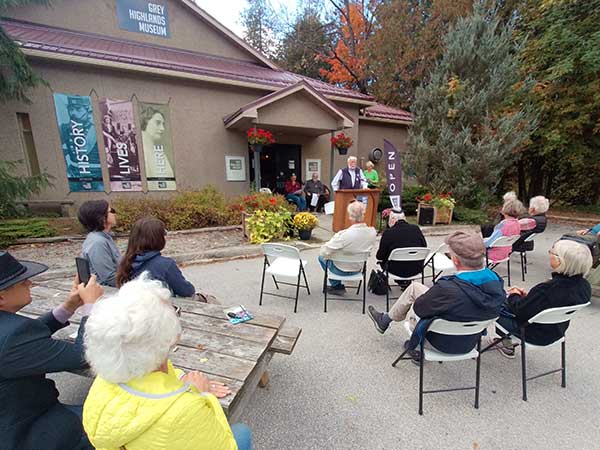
[351, 177]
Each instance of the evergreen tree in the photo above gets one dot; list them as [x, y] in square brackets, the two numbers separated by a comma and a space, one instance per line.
[466, 128]
[16, 76]
[260, 23]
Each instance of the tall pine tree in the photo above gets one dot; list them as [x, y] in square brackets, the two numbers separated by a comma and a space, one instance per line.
[467, 127]
[260, 23]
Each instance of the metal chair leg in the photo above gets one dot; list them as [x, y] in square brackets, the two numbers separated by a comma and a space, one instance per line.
[522, 266]
[387, 291]
[399, 358]
[364, 282]
[358, 288]
[305, 281]
[262, 283]
[523, 365]
[421, 380]
[325, 286]
[297, 290]
[508, 264]
[563, 364]
[478, 373]
[275, 281]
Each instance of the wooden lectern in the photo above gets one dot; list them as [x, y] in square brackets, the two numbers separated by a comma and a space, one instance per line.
[345, 196]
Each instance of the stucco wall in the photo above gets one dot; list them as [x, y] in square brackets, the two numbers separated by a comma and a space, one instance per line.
[188, 30]
[298, 110]
[372, 135]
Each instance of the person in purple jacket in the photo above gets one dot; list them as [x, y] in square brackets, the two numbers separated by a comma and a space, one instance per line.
[146, 240]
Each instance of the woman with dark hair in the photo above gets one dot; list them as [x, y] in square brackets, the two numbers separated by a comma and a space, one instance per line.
[99, 248]
[146, 240]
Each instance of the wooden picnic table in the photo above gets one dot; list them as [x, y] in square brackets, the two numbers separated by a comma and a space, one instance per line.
[237, 355]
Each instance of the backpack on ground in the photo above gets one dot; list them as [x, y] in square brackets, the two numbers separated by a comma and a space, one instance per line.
[377, 283]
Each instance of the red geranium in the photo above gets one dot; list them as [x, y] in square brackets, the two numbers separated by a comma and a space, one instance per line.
[258, 136]
[342, 141]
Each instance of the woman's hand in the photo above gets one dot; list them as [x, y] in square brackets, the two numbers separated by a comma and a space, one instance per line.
[516, 290]
[203, 384]
[582, 232]
[219, 389]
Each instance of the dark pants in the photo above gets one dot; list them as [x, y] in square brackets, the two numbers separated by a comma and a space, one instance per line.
[320, 203]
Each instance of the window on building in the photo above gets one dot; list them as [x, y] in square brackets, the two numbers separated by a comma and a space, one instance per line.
[28, 143]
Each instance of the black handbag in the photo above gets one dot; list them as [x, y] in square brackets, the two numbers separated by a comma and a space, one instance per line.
[377, 283]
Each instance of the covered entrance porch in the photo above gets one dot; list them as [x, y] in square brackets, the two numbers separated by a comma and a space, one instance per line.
[302, 120]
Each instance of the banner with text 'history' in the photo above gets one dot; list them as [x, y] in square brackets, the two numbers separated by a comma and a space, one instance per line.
[158, 149]
[120, 145]
[75, 119]
[393, 173]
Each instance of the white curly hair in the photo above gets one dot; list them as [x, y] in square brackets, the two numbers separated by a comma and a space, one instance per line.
[130, 334]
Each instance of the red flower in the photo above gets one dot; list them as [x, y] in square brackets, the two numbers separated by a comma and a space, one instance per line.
[427, 197]
[272, 200]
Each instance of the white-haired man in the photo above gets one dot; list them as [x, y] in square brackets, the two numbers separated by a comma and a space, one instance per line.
[351, 177]
[357, 238]
[400, 234]
[537, 211]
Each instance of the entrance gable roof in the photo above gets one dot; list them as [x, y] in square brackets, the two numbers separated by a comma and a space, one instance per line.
[250, 110]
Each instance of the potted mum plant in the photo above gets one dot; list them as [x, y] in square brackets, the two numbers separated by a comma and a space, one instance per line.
[305, 222]
[342, 143]
[257, 138]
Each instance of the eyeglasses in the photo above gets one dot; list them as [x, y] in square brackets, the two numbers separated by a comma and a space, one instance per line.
[550, 252]
[112, 211]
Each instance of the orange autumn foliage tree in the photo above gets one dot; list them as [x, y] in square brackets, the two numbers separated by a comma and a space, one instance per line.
[348, 59]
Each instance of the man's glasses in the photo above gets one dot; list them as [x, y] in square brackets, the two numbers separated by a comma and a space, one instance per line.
[112, 211]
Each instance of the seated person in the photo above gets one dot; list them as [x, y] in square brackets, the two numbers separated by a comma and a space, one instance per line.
[400, 234]
[99, 248]
[146, 241]
[474, 293]
[315, 187]
[357, 238]
[138, 400]
[32, 417]
[594, 231]
[537, 211]
[570, 262]
[371, 175]
[488, 228]
[294, 193]
[510, 226]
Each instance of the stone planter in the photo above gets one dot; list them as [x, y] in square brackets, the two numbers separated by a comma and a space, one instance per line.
[305, 234]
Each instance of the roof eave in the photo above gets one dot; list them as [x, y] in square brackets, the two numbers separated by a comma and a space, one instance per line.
[391, 121]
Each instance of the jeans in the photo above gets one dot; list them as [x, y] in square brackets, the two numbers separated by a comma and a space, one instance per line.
[298, 200]
[509, 324]
[84, 444]
[335, 270]
[242, 435]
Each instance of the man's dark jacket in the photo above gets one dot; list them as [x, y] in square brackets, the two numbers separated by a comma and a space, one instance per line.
[465, 297]
[401, 235]
[540, 225]
[32, 418]
[555, 293]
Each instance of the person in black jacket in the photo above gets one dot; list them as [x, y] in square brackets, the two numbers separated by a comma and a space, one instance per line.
[538, 206]
[401, 234]
[32, 417]
[570, 262]
[474, 293]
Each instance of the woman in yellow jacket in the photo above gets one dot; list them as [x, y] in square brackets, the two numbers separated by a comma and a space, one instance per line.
[138, 401]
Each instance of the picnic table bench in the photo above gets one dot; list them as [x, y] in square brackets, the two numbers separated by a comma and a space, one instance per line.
[237, 355]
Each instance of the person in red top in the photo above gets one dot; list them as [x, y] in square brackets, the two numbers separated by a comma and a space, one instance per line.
[293, 193]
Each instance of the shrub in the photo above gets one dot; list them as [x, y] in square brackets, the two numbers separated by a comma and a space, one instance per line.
[467, 215]
[129, 212]
[305, 221]
[265, 226]
[14, 188]
[11, 230]
[261, 201]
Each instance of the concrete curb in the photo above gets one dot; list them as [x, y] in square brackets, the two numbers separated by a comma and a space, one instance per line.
[578, 220]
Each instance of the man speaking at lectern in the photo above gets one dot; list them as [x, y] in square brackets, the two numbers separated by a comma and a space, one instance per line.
[350, 177]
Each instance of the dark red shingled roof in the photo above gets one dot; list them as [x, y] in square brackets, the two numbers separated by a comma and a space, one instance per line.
[57, 40]
[380, 111]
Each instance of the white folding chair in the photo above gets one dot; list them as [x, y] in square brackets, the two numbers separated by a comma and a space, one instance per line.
[285, 263]
[438, 260]
[449, 328]
[501, 242]
[361, 276]
[265, 190]
[523, 255]
[548, 316]
[406, 254]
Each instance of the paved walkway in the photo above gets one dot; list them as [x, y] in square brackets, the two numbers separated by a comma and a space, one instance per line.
[339, 391]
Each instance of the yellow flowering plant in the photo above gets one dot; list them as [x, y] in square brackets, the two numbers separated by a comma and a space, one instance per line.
[305, 221]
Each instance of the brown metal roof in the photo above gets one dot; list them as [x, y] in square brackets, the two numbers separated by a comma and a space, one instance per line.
[380, 111]
[76, 43]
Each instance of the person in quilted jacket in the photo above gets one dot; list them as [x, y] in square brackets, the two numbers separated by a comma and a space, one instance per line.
[138, 400]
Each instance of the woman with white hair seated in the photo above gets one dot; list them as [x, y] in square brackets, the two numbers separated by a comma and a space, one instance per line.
[138, 400]
[570, 262]
[510, 226]
[538, 206]
[488, 228]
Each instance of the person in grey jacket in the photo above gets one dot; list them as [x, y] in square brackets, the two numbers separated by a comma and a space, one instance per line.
[99, 248]
[32, 418]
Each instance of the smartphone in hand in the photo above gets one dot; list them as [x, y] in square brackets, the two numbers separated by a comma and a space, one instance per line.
[83, 270]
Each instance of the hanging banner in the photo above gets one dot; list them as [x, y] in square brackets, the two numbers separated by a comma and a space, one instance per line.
[120, 145]
[75, 119]
[393, 173]
[158, 150]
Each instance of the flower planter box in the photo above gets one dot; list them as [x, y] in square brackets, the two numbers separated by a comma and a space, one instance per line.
[443, 215]
[430, 215]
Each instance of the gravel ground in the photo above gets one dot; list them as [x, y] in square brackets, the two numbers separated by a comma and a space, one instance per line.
[338, 389]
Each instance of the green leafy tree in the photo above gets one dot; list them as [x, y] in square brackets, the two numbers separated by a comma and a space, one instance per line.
[14, 188]
[466, 126]
[562, 53]
[260, 23]
[16, 76]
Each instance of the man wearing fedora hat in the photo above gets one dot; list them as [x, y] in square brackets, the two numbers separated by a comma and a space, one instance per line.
[473, 293]
[32, 417]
